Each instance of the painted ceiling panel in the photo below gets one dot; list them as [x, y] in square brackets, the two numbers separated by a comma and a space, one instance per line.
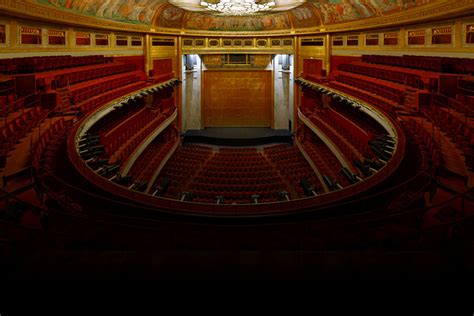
[334, 11]
[131, 11]
[170, 14]
[267, 22]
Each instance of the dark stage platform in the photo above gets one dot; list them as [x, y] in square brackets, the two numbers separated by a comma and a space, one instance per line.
[238, 136]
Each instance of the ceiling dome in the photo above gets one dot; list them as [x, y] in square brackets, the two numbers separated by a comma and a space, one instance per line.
[248, 15]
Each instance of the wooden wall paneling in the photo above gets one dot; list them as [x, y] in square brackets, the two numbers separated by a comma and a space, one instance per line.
[237, 98]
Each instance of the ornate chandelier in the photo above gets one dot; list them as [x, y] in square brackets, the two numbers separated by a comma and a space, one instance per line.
[238, 7]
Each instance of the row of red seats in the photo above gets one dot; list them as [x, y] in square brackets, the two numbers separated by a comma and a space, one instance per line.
[160, 102]
[150, 168]
[337, 139]
[9, 104]
[179, 159]
[389, 92]
[238, 151]
[94, 88]
[325, 161]
[253, 175]
[306, 110]
[238, 174]
[380, 101]
[244, 197]
[132, 136]
[16, 130]
[321, 155]
[466, 100]
[294, 166]
[134, 139]
[45, 63]
[416, 62]
[149, 160]
[237, 156]
[430, 153]
[115, 117]
[197, 150]
[46, 146]
[222, 188]
[451, 65]
[227, 171]
[401, 77]
[222, 162]
[187, 156]
[429, 63]
[351, 133]
[268, 150]
[96, 101]
[245, 178]
[311, 100]
[121, 133]
[86, 75]
[182, 166]
[465, 90]
[354, 115]
[459, 131]
[447, 102]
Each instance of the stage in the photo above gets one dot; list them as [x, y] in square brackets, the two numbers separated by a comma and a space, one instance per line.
[238, 136]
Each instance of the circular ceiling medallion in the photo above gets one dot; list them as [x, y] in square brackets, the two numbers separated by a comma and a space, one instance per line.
[237, 7]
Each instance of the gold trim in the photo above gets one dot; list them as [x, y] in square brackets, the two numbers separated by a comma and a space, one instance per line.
[418, 33]
[439, 9]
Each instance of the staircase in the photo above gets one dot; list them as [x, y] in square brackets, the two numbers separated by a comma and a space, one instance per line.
[411, 99]
[62, 101]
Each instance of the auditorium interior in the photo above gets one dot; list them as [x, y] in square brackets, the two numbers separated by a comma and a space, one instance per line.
[237, 139]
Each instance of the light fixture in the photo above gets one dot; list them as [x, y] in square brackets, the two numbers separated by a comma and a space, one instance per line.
[238, 7]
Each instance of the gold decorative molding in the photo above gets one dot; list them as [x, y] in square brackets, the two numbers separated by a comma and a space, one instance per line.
[212, 60]
[241, 34]
[429, 12]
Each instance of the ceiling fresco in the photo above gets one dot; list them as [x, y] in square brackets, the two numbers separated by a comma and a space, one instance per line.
[267, 22]
[130, 11]
[335, 11]
[189, 14]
